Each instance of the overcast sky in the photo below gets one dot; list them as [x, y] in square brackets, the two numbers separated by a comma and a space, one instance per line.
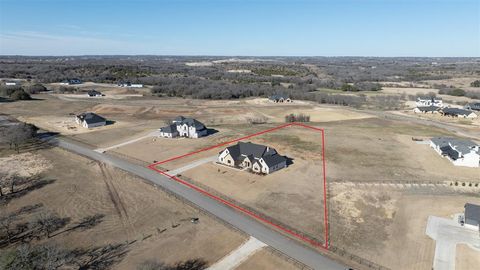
[241, 27]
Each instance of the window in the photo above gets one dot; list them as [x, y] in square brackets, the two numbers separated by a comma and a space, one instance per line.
[228, 161]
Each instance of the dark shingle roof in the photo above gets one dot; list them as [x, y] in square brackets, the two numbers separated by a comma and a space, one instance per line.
[472, 212]
[428, 108]
[456, 111]
[449, 151]
[169, 129]
[250, 149]
[91, 118]
[273, 160]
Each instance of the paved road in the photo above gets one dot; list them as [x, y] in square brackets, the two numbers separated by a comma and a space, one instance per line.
[250, 226]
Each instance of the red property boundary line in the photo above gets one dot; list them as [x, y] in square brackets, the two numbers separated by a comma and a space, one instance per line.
[248, 212]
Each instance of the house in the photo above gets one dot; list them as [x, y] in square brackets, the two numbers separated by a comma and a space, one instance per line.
[427, 109]
[129, 84]
[472, 216]
[71, 82]
[255, 157]
[460, 152]
[429, 101]
[169, 131]
[279, 98]
[473, 106]
[456, 112]
[11, 83]
[94, 93]
[184, 127]
[90, 120]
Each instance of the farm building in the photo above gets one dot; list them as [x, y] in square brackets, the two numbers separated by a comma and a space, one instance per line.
[456, 112]
[460, 152]
[184, 127]
[472, 216]
[429, 101]
[90, 120]
[427, 109]
[255, 157]
[279, 98]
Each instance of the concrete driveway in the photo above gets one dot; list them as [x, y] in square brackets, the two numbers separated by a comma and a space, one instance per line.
[448, 233]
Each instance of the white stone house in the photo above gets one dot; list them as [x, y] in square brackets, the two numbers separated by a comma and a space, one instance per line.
[460, 152]
[429, 101]
[90, 120]
[456, 112]
[279, 98]
[184, 127]
[255, 157]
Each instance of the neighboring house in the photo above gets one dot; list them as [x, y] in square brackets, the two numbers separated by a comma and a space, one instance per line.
[473, 106]
[456, 112]
[427, 109]
[11, 83]
[472, 216]
[72, 81]
[256, 157]
[279, 98]
[184, 127]
[429, 101]
[129, 84]
[90, 120]
[459, 152]
[94, 93]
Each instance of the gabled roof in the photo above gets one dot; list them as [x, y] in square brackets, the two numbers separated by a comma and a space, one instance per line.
[169, 129]
[447, 150]
[273, 160]
[456, 111]
[193, 123]
[179, 119]
[250, 149]
[461, 146]
[91, 118]
[277, 97]
[428, 108]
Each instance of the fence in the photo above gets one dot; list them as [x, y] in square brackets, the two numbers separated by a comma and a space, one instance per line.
[256, 212]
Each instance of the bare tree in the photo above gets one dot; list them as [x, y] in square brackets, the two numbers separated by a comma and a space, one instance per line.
[6, 224]
[48, 222]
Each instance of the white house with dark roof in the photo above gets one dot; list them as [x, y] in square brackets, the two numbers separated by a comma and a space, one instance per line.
[460, 152]
[90, 120]
[429, 101]
[258, 158]
[184, 127]
[474, 106]
[456, 112]
[279, 98]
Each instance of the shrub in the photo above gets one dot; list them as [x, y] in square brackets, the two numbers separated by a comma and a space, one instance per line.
[20, 95]
[475, 83]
